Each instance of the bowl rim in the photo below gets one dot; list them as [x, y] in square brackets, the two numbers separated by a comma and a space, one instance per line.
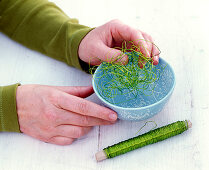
[136, 108]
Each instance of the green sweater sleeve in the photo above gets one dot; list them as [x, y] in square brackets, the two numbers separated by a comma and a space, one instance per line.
[42, 26]
[8, 113]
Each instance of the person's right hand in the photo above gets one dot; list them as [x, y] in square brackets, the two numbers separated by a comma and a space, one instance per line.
[99, 44]
[59, 115]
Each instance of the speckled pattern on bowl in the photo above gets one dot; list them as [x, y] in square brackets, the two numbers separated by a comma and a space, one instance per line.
[143, 107]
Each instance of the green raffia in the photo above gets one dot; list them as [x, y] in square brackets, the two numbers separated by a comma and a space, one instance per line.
[150, 137]
[130, 78]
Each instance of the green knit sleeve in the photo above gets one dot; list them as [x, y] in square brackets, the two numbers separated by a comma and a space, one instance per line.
[42, 26]
[8, 113]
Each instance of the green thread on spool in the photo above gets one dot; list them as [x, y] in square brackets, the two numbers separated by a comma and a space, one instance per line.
[148, 138]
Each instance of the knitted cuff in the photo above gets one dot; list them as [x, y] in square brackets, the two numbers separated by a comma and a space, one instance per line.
[75, 41]
[8, 111]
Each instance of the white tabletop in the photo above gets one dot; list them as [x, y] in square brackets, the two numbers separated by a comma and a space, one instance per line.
[180, 29]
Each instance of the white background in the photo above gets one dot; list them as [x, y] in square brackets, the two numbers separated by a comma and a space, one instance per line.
[181, 31]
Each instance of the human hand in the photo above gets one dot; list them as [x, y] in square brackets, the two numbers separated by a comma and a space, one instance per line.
[59, 115]
[98, 44]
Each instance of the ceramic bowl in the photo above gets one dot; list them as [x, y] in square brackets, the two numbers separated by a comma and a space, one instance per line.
[143, 106]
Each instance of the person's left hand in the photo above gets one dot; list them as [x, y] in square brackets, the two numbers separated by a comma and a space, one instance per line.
[57, 114]
[98, 45]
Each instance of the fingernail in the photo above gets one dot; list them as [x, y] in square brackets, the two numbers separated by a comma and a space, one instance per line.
[113, 116]
[155, 60]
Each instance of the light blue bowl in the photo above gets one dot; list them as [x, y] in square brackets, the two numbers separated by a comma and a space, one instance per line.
[143, 106]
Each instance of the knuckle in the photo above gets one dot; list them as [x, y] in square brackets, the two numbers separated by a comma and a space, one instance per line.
[78, 89]
[47, 129]
[44, 138]
[85, 120]
[53, 97]
[140, 35]
[149, 36]
[82, 107]
[78, 132]
[128, 29]
[50, 115]
[115, 21]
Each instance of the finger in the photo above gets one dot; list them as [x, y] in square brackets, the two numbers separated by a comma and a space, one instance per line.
[148, 40]
[111, 55]
[61, 140]
[66, 117]
[85, 107]
[127, 33]
[142, 45]
[71, 131]
[155, 55]
[154, 50]
[80, 91]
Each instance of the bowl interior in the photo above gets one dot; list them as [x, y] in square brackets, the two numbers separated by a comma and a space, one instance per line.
[153, 93]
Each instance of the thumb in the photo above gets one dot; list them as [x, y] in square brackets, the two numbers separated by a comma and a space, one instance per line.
[108, 54]
[79, 91]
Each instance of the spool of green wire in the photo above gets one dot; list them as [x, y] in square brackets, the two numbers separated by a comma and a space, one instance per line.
[150, 137]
